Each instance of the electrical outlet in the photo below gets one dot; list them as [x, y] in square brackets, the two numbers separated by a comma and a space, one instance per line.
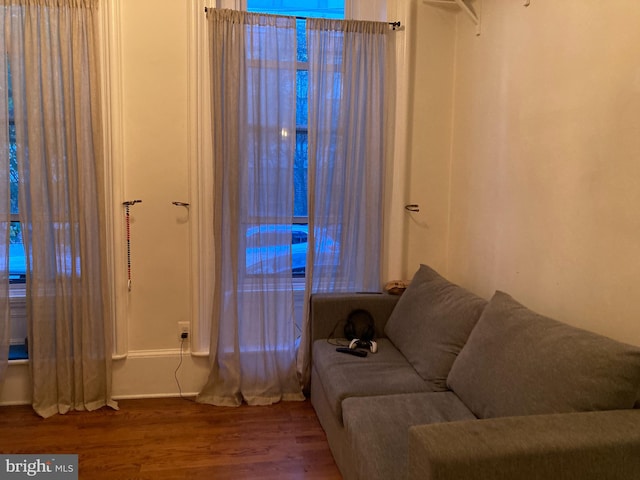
[184, 329]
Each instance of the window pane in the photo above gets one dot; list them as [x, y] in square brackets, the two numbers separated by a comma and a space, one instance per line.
[276, 249]
[13, 166]
[301, 37]
[300, 176]
[299, 249]
[301, 99]
[17, 264]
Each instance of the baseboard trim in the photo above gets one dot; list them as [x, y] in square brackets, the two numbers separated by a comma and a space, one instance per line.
[185, 395]
[142, 374]
[152, 373]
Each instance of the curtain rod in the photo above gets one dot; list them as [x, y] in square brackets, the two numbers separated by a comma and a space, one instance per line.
[394, 25]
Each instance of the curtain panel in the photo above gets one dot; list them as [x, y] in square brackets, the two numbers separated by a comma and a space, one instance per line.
[253, 71]
[256, 354]
[347, 70]
[349, 77]
[52, 51]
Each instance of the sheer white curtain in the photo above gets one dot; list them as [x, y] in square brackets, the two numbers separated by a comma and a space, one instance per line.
[347, 70]
[52, 51]
[253, 338]
[349, 77]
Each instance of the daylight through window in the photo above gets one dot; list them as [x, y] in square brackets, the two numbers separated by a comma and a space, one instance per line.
[315, 8]
[17, 266]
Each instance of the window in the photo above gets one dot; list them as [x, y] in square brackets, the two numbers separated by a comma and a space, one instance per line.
[299, 230]
[202, 259]
[17, 263]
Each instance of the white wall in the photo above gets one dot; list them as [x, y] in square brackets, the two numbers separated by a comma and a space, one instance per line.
[432, 35]
[545, 172]
[156, 170]
[154, 72]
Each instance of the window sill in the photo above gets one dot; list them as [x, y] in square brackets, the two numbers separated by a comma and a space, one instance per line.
[22, 361]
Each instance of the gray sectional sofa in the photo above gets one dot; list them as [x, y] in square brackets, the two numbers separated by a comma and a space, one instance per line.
[464, 388]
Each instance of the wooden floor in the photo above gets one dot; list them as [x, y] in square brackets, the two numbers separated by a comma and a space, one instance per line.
[178, 439]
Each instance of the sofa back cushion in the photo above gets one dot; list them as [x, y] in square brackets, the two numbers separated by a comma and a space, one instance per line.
[431, 323]
[518, 362]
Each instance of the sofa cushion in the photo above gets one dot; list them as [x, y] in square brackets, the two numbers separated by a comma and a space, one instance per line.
[517, 362]
[378, 428]
[431, 323]
[382, 373]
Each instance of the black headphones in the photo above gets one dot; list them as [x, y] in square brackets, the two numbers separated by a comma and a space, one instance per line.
[360, 325]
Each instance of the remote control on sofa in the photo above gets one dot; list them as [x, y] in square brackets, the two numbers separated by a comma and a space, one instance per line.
[357, 353]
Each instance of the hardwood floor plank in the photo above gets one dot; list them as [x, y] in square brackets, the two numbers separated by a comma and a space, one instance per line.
[158, 439]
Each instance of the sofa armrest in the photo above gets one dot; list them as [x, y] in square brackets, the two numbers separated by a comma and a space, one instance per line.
[580, 446]
[329, 311]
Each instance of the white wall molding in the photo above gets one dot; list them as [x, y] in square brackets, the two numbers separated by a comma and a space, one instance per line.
[394, 266]
[200, 154]
[112, 114]
[142, 374]
[131, 378]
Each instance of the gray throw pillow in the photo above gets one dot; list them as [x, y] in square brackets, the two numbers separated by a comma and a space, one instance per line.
[518, 362]
[431, 323]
